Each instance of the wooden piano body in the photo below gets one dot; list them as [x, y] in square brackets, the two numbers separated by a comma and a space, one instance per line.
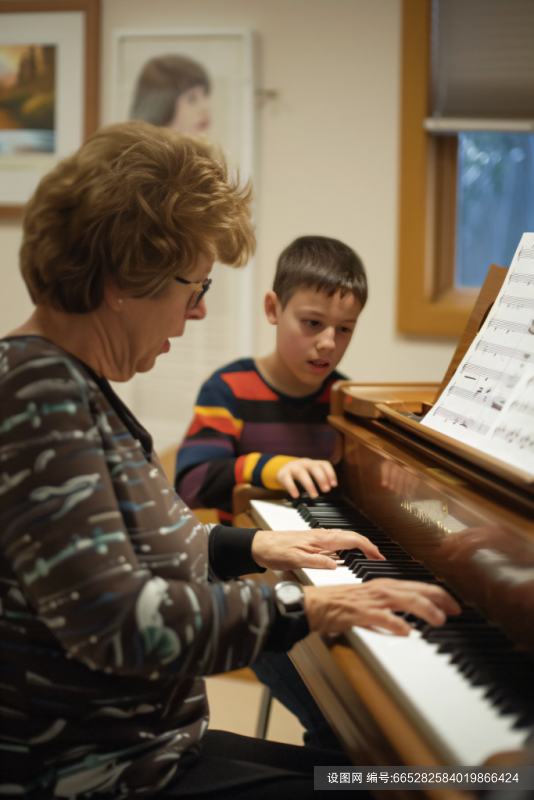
[467, 518]
[477, 535]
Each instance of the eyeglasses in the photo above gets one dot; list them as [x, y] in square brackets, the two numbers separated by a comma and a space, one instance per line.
[203, 287]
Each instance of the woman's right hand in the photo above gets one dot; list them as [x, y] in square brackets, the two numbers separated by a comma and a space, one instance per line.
[333, 609]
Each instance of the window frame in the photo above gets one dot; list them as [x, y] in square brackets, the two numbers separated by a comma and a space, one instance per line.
[428, 302]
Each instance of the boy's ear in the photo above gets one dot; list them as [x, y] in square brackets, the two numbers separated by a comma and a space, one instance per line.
[273, 308]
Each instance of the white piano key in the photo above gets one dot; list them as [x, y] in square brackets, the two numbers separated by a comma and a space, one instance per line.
[456, 714]
[453, 715]
[326, 577]
[277, 515]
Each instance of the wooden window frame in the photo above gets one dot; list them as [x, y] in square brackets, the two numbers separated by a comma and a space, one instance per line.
[428, 301]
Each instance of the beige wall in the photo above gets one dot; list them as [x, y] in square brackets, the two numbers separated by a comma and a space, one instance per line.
[327, 151]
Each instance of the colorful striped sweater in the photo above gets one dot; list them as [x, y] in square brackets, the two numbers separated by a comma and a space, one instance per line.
[243, 431]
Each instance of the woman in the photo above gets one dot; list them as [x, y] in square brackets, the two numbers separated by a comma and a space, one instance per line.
[109, 618]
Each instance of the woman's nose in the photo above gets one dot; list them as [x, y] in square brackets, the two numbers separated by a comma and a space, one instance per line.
[199, 311]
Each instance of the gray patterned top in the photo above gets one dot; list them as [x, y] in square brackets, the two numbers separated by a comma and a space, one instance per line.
[107, 616]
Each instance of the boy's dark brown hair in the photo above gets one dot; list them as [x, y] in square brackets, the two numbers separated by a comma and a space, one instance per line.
[320, 263]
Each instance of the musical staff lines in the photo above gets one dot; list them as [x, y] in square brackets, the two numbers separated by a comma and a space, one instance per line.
[487, 399]
[517, 302]
[506, 352]
[462, 420]
[508, 325]
[522, 277]
[515, 436]
[522, 408]
[494, 374]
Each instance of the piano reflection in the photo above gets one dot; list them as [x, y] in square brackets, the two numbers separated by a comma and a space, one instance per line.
[440, 512]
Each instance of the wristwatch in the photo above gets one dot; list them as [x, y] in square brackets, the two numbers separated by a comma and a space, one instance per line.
[289, 599]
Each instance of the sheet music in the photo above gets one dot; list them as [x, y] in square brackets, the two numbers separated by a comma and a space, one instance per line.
[489, 402]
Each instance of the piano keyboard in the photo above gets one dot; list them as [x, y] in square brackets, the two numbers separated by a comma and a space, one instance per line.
[464, 686]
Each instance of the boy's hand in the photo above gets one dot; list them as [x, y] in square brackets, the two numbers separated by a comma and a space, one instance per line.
[302, 470]
[312, 549]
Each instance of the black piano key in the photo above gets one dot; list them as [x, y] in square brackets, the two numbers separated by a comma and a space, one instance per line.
[375, 567]
[353, 563]
[526, 720]
[480, 651]
[454, 634]
[398, 576]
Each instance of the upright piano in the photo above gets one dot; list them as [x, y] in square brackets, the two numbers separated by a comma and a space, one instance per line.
[462, 694]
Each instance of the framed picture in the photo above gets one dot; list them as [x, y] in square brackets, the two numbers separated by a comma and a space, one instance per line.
[198, 81]
[154, 68]
[49, 59]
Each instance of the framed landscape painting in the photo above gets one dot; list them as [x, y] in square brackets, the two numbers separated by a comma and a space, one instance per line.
[48, 90]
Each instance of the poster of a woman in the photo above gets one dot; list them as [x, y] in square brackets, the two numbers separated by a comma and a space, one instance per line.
[197, 82]
[173, 91]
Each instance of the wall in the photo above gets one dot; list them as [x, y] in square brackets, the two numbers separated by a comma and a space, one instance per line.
[327, 157]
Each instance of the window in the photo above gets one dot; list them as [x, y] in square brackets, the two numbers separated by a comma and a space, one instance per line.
[495, 201]
[467, 153]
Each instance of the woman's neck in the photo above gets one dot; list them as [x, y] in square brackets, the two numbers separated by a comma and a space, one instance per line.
[85, 336]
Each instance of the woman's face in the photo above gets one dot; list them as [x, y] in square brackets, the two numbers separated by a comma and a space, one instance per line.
[192, 113]
[149, 323]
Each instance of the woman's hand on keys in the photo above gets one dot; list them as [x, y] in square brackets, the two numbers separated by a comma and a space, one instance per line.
[333, 609]
[314, 549]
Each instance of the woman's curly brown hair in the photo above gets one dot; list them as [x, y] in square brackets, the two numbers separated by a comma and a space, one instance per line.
[136, 204]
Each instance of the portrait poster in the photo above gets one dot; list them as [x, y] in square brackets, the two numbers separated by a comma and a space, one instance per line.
[164, 398]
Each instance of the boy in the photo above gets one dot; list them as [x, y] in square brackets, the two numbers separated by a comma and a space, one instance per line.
[264, 421]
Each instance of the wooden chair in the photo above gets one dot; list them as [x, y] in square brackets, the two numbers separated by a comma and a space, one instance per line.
[168, 461]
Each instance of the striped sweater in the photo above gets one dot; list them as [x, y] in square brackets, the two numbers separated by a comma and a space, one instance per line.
[243, 431]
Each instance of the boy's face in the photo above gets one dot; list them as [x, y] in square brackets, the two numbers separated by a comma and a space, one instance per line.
[314, 331]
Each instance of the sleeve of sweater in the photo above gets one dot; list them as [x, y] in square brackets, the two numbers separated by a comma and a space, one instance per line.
[230, 555]
[205, 465]
[65, 539]
[208, 465]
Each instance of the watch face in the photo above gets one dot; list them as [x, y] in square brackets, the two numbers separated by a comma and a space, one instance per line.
[289, 593]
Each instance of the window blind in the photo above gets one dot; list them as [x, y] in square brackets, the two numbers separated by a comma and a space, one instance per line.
[482, 65]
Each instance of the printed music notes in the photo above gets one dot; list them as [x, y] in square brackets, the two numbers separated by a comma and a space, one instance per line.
[489, 402]
[513, 435]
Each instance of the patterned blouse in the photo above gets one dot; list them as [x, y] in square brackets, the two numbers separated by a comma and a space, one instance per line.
[112, 603]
